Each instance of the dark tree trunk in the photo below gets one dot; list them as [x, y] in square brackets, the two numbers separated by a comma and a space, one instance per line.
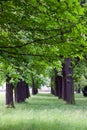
[53, 86]
[34, 89]
[21, 92]
[60, 86]
[56, 83]
[78, 89]
[69, 82]
[9, 93]
[64, 92]
[53, 91]
[27, 91]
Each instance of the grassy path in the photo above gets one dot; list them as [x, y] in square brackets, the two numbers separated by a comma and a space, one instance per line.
[44, 112]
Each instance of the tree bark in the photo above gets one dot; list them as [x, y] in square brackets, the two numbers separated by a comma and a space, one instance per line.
[34, 89]
[69, 82]
[56, 83]
[78, 89]
[53, 85]
[21, 91]
[27, 91]
[64, 92]
[9, 93]
[53, 91]
[60, 86]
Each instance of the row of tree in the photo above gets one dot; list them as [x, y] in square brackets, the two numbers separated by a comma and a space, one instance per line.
[37, 36]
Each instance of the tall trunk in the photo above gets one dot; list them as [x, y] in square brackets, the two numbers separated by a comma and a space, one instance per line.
[56, 83]
[60, 86]
[53, 86]
[53, 91]
[9, 93]
[69, 82]
[78, 89]
[64, 92]
[20, 92]
[27, 91]
[34, 89]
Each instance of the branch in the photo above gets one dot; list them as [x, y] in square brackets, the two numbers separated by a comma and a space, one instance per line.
[27, 54]
[36, 40]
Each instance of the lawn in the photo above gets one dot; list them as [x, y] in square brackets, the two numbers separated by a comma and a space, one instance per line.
[44, 112]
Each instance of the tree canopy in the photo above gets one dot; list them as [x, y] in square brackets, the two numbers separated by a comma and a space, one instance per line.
[36, 32]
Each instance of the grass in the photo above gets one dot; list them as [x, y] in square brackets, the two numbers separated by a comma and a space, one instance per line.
[44, 112]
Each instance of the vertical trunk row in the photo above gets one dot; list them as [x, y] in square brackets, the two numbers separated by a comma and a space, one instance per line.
[21, 92]
[64, 86]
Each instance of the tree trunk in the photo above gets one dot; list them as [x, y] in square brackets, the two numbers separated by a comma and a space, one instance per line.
[34, 89]
[20, 92]
[69, 82]
[78, 89]
[53, 85]
[56, 83]
[60, 86]
[64, 92]
[9, 93]
[52, 91]
[27, 91]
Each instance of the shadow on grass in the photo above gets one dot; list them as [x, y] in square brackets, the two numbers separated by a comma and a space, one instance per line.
[42, 102]
[48, 102]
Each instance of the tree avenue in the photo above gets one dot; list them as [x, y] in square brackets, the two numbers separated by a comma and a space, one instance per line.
[37, 33]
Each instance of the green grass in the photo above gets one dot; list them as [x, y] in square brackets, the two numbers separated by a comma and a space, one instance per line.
[44, 112]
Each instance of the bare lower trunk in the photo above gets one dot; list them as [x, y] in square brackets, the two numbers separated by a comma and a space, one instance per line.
[9, 93]
[78, 89]
[60, 86]
[56, 83]
[34, 89]
[69, 82]
[53, 85]
[64, 92]
[27, 91]
[21, 91]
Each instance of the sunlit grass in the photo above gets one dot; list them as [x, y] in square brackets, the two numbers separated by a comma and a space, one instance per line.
[44, 112]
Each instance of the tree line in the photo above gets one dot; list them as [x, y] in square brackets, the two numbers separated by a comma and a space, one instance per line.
[39, 36]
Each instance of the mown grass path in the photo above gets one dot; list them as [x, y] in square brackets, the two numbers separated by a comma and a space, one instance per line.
[44, 112]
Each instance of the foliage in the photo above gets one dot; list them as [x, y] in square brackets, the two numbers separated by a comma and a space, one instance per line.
[35, 34]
